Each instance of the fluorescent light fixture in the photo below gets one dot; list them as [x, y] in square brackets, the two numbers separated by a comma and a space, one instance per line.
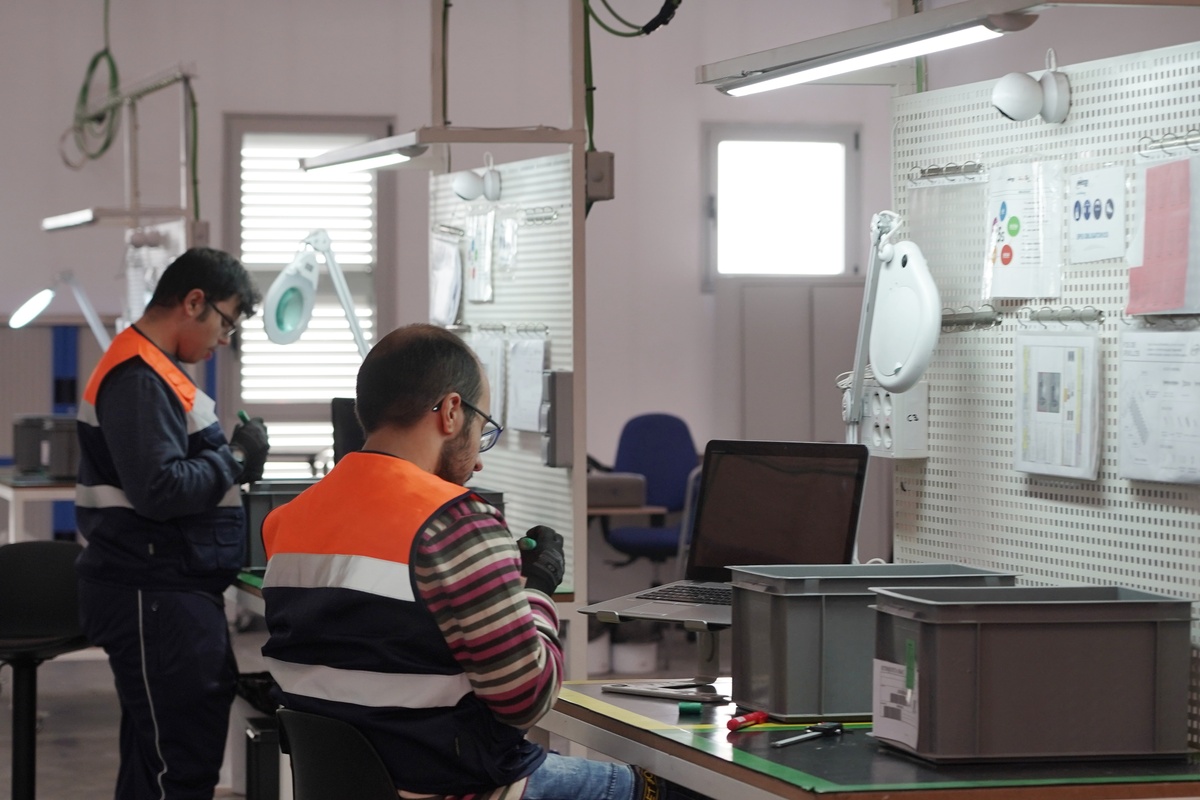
[883, 43]
[922, 47]
[387, 152]
[123, 216]
[35, 305]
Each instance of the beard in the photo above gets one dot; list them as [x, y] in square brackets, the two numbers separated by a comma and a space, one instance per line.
[456, 462]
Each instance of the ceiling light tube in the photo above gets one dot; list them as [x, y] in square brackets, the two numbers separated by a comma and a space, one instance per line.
[124, 216]
[858, 49]
[841, 65]
[387, 152]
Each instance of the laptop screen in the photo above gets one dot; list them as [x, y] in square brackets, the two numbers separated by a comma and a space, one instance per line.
[776, 503]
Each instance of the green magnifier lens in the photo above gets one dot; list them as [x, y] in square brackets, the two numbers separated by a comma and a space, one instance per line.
[289, 309]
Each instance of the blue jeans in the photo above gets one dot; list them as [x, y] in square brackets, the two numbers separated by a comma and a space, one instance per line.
[567, 778]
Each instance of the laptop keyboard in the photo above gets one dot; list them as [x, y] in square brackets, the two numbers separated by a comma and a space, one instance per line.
[689, 593]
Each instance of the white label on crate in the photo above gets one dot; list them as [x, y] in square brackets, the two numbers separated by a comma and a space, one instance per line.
[894, 703]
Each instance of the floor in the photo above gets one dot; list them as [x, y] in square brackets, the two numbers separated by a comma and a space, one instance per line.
[76, 746]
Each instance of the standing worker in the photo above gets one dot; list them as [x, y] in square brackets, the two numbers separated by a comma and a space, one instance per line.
[398, 600]
[159, 504]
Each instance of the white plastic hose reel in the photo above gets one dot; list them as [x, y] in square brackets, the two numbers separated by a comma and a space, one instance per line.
[1019, 96]
[470, 185]
[1056, 91]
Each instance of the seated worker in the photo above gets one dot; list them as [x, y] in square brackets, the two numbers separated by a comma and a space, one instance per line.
[397, 600]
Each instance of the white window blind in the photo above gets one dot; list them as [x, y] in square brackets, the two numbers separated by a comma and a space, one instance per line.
[279, 206]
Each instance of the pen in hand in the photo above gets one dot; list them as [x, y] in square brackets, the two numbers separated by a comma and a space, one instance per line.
[243, 416]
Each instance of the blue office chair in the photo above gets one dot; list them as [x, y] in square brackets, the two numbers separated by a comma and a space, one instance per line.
[659, 447]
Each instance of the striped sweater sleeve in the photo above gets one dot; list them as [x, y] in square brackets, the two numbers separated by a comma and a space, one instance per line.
[468, 573]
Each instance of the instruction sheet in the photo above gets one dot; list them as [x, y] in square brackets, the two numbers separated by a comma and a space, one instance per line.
[1159, 406]
[1056, 418]
[1164, 277]
[1096, 215]
[526, 362]
[1024, 231]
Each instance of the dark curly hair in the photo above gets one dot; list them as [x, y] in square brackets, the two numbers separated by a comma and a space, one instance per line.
[408, 371]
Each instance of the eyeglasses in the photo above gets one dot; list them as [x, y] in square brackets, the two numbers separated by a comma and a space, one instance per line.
[488, 436]
[230, 325]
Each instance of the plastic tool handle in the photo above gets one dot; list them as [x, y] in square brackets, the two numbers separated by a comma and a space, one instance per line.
[814, 732]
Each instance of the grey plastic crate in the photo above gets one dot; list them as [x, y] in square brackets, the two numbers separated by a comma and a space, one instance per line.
[1019, 673]
[803, 635]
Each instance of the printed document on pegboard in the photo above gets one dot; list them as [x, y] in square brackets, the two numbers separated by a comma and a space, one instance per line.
[1159, 406]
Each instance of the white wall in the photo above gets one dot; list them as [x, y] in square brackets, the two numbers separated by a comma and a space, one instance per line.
[652, 332]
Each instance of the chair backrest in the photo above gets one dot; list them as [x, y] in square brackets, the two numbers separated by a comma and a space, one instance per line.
[660, 447]
[332, 759]
[39, 595]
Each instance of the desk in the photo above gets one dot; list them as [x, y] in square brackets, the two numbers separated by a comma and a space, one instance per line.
[21, 489]
[657, 514]
[698, 751]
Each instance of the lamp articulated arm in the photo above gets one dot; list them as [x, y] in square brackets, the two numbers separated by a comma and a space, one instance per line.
[319, 240]
[883, 225]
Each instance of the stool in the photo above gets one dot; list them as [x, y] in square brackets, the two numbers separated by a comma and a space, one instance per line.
[39, 619]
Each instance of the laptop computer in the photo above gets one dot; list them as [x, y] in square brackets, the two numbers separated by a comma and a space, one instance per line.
[758, 503]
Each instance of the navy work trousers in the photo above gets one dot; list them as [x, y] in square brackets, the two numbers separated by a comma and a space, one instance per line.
[175, 674]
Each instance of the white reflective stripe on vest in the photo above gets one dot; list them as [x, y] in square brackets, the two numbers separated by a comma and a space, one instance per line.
[203, 413]
[371, 689]
[362, 573]
[100, 497]
[232, 498]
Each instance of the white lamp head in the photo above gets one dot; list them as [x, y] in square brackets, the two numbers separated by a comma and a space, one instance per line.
[30, 309]
[35, 305]
[289, 302]
[907, 318]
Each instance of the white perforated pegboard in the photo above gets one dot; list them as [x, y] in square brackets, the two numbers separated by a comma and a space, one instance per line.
[966, 503]
[535, 297]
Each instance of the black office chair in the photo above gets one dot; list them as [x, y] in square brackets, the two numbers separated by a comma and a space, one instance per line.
[39, 619]
[659, 447]
[332, 759]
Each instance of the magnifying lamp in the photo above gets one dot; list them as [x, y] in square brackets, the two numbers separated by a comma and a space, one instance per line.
[901, 315]
[35, 305]
[289, 302]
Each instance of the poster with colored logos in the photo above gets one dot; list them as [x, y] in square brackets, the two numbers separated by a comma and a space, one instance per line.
[1024, 231]
[1096, 215]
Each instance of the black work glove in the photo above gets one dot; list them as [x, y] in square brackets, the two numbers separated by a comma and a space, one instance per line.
[249, 446]
[543, 564]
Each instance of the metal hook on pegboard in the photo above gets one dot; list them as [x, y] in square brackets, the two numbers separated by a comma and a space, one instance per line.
[1169, 141]
[1088, 315]
[969, 319]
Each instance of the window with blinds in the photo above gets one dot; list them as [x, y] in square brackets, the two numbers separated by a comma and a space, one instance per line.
[290, 386]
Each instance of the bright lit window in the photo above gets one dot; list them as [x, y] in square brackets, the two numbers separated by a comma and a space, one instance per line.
[779, 200]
